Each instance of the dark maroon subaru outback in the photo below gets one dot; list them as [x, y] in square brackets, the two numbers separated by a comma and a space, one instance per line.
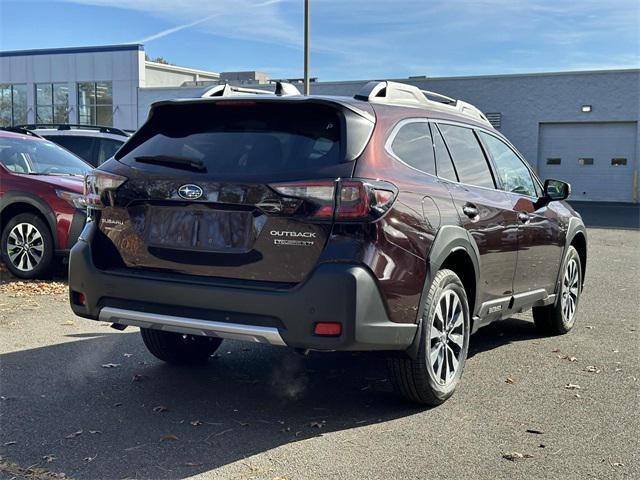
[398, 220]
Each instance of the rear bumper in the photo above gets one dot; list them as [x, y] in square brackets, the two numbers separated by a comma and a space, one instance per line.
[287, 316]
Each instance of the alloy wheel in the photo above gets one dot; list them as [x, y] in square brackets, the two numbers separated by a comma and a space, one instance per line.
[25, 247]
[570, 291]
[446, 338]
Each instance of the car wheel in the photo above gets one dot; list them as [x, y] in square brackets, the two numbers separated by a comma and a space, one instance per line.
[559, 318]
[178, 348]
[27, 246]
[433, 375]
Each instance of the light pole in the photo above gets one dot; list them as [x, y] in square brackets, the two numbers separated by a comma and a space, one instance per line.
[306, 47]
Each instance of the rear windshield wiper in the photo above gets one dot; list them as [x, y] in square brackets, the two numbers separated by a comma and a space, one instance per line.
[183, 163]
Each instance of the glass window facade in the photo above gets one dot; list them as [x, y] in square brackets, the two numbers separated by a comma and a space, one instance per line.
[52, 103]
[13, 104]
[95, 103]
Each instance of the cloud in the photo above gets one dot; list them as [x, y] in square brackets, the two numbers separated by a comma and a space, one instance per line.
[377, 38]
[171, 30]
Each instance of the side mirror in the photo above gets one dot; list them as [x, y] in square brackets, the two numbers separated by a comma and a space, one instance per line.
[556, 189]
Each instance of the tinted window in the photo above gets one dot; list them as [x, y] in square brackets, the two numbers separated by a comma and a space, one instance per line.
[236, 139]
[81, 146]
[513, 174]
[107, 149]
[443, 159]
[468, 157]
[412, 144]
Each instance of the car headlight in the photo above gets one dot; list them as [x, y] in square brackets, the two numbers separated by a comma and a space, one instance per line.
[76, 200]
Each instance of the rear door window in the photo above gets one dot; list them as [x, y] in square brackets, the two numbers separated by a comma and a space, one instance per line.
[514, 176]
[107, 149]
[443, 159]
[240, 139]
[413, 145]
[468, 157]
[81, 146]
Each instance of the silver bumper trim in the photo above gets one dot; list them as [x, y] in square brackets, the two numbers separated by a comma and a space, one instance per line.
[192, 326]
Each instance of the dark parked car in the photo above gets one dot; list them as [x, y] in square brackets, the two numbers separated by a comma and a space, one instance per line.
[41, 202]
[93, 143]
[397, 220]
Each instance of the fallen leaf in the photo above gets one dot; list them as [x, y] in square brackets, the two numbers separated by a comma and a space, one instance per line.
[571, 386]
[513, 456]
[160, 409]
[195, 423]
[74, 434]
[110, 365]
[169, 437]
[510, 381]
[537, 432]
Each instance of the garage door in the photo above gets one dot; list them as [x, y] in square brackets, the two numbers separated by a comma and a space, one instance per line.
[597, 159]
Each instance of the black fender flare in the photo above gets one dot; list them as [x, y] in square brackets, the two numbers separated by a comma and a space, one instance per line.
[449, 239]
[576, 227]
[11, 198]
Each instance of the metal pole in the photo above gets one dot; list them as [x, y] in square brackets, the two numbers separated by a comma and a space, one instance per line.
[306, 47]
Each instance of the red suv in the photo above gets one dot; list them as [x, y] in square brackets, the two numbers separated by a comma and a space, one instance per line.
[41, 202]
[398, 220]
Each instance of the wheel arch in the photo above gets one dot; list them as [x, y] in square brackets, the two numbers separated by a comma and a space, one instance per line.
[576, 238]
[453, 249]
[14, 203]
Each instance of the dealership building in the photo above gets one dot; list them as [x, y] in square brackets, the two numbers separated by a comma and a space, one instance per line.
[582, 127]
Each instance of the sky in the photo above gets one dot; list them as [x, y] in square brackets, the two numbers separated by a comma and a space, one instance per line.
[351, 39]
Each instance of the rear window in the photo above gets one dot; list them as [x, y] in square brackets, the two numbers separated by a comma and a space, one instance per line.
[241, 138]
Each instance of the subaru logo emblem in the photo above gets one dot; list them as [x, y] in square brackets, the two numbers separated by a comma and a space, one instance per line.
[190, 192]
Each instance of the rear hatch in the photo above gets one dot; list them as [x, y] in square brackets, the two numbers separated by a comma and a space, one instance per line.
[237, 188]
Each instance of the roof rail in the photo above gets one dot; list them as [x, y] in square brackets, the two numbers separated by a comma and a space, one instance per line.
[70, 126]
[283, 89]
[21, 130]
[404, 94]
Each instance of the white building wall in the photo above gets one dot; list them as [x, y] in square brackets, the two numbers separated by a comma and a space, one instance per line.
[120, 67]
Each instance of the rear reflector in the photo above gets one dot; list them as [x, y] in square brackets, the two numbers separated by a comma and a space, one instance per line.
[78, 298]
[328, 329]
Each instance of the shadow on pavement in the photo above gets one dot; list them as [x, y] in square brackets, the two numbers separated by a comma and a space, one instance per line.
[609, 214]
[59, 401]
[250, 400]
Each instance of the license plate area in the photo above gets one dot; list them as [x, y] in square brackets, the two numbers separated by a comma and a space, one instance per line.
[199, 229]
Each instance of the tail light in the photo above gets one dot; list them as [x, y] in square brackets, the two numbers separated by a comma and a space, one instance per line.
[341, 200]
[99, 186]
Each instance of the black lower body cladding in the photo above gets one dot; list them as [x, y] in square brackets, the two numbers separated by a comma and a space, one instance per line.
[343, 293]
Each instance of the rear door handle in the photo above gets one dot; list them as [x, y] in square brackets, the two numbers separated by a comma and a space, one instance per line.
[470, 211]
[523, 217]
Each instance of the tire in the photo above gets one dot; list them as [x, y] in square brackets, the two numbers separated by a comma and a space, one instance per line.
[36, 258]
[420, 379]
[559, 318]
[177, 348]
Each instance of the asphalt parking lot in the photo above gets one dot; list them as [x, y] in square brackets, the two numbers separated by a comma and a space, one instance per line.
[80, 399]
